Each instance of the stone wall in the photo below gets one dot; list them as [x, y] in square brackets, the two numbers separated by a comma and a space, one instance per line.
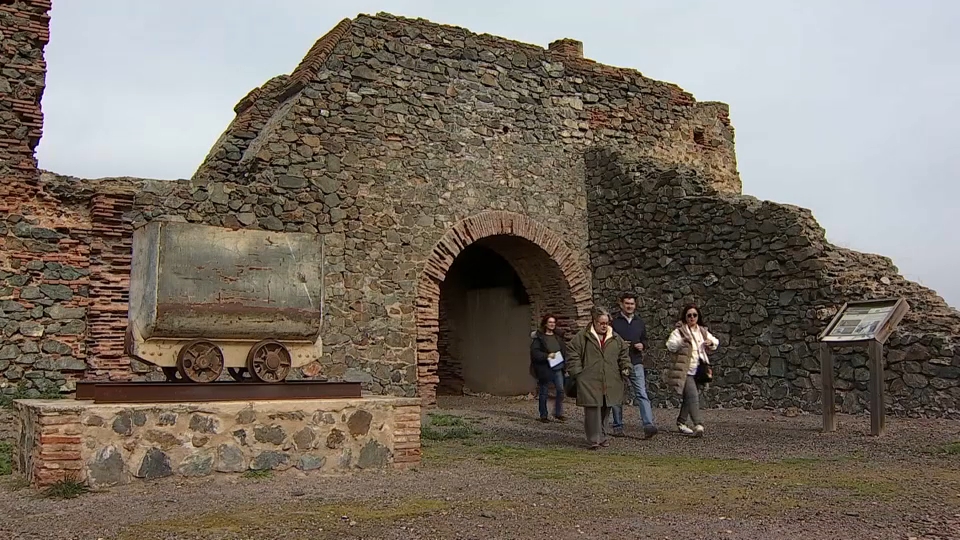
[44, 253]
[65, 257]
[767, 282]
[106, 445]
[402, 141]
[25, 26]
[454, 125]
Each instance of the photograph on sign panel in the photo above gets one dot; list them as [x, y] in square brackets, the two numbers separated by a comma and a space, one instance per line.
[860, 322]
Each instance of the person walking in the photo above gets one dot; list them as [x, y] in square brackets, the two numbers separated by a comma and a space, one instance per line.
[598, 360]
[548, 354]
[628, 325]
[689, 343]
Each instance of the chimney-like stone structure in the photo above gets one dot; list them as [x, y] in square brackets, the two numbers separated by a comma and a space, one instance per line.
[570, 48]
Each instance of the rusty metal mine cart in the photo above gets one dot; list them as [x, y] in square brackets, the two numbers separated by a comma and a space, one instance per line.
[205, 298]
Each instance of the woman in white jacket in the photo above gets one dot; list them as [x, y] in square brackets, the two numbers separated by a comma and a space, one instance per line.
[689, 343]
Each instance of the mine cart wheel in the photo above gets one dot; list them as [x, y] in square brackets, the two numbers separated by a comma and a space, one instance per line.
[200, 361]
[171, 374]
[269, 361]
[240, 374]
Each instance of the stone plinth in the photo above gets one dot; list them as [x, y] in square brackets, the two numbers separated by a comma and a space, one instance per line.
[106, 445]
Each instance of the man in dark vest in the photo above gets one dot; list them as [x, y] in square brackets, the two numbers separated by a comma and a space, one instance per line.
[629, 326]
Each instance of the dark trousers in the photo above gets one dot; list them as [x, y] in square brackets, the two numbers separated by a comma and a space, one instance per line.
[595, 421]
[690, 404]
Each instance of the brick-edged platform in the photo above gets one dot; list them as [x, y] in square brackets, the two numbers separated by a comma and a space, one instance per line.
[105, 445]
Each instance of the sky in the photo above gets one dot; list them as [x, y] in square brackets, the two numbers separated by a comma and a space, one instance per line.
[850, 108]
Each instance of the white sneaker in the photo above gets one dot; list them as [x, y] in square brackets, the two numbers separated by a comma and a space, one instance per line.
[698, 431]
[684, 429]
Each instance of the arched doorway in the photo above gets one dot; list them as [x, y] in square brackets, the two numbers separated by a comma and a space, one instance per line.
[482, 290]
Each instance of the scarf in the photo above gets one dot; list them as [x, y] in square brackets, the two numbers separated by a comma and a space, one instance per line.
[601, 340]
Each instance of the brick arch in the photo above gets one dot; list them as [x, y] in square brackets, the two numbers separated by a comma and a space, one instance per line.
[550, 271]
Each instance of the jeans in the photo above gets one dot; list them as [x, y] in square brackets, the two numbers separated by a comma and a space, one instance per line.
[638, 382]
[544, 386]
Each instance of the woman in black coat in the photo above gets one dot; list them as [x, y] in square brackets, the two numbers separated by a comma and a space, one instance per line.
[546, 347]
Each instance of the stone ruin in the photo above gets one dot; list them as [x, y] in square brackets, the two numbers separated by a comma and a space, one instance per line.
[465, 185]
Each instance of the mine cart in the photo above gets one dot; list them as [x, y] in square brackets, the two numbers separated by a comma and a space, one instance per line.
[206, 298]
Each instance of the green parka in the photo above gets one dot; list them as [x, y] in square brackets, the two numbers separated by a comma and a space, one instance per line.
[598, 370]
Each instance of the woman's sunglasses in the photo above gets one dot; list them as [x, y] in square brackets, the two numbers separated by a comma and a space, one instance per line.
[691, 315]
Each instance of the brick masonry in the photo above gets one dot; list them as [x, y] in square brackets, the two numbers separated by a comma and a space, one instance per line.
[406, 436]
[402, 142]
[107, 445]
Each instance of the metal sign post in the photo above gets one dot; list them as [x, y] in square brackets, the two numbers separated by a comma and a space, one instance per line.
[860, 324]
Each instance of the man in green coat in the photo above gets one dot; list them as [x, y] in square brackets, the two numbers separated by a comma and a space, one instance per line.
[598, 359]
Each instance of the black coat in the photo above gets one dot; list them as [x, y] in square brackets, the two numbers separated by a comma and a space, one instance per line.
[539, 365]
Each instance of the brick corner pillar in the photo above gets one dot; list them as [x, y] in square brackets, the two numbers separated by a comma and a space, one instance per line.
[110, 256]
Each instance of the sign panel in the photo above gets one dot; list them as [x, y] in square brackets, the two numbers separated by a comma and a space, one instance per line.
[868, 322]
[861, 321]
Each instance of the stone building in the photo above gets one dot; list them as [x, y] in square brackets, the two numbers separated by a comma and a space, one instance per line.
[464, 185]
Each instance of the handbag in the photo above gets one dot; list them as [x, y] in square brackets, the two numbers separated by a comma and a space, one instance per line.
[704, 374]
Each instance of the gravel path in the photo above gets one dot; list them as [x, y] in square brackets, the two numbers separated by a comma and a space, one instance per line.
[756, 475]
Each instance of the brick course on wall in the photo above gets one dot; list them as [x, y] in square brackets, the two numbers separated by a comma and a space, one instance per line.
[110, 255]
[406, 436]
[767, 282]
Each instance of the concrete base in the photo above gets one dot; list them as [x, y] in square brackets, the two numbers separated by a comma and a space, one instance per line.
[106, 445]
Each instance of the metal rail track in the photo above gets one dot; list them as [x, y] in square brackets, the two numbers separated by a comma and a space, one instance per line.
[176, 392]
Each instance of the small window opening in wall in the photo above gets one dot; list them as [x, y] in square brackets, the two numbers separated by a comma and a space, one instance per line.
[698, 137]
[505, 129]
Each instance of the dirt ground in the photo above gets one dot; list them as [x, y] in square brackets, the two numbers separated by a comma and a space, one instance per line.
[491, 471]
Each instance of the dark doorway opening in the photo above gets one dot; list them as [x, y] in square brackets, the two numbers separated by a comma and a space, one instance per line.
[553, 282]
[485, 322]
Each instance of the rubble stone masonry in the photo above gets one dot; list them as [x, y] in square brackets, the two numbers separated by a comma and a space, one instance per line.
[107, 445]
[767, 283]
[402, 142]
[44, 247]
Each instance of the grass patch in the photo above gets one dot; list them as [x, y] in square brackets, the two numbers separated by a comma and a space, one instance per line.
[951, 449]
[446, 453]
[299, 518]
[441, 420]
[259, 474]
[431, 433]
[65, 489]
[446, 427]
[6, 458]
[730, 486]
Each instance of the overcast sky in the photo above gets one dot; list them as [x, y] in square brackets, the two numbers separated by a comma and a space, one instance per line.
[850, 108]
